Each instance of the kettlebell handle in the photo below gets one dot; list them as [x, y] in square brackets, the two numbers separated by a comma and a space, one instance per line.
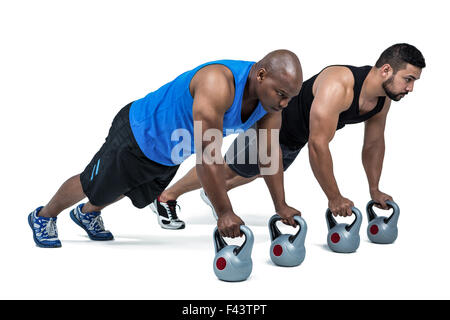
[275, 232]
[219, 242]
[332, 222]
[391, 204]
[245, 248]
[300, 236]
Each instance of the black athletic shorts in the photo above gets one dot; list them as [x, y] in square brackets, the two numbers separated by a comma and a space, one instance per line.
[249, 168]
[120, 168]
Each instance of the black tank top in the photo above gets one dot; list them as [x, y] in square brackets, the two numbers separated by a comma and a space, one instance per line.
[295, 128]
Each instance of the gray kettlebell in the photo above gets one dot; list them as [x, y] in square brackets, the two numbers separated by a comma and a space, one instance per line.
[343, 238]
[233, 263]
[382, 229]
[287, 250]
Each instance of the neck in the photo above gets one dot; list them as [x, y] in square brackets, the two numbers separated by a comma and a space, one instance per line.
[372, 86]
[250, 87]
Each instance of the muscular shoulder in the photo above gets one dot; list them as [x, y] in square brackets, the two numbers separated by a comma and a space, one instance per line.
[215, 82]
[335, 81]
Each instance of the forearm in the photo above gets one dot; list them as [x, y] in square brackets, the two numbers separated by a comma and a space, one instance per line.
[212, 178]
[322, 167]
[372, 159]
[275, 184]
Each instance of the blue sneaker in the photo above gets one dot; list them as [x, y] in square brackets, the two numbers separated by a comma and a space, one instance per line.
[45, 233]
[92, 223]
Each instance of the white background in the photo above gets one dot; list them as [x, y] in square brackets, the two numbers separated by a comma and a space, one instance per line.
[66, 69]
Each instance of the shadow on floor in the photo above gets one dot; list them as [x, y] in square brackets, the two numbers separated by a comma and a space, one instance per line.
[175, 241]
[249, 219]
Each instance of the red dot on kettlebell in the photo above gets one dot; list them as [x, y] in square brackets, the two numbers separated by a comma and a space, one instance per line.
[374, 229]
[277, 250]
[221, 263]
[335, 237]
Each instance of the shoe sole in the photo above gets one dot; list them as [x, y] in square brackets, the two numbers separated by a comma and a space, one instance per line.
[40, 245]
[152, 207]
[75, 219]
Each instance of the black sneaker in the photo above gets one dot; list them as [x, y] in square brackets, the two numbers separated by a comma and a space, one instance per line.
[167, 214]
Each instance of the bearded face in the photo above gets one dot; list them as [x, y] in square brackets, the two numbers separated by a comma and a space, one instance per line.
[389, 87]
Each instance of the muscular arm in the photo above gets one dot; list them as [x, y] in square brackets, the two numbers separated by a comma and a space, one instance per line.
[213, 95]
[272, 171]
[331, 98]
[323, 122]
[373, 151]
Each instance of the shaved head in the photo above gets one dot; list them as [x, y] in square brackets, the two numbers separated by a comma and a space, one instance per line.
[278, 77]
[283, 65]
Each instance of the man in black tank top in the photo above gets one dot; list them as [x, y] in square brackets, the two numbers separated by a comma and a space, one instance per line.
[336, 96]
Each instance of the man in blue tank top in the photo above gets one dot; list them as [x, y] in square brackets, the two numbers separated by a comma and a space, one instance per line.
[150, 137]
[337, 96]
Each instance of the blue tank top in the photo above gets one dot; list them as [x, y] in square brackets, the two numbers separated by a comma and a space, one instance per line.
[155, 118]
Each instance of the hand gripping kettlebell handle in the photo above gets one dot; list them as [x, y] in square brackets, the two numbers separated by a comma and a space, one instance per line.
[331, 222]
[245, 248]
[275, 232]
[391, 204]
